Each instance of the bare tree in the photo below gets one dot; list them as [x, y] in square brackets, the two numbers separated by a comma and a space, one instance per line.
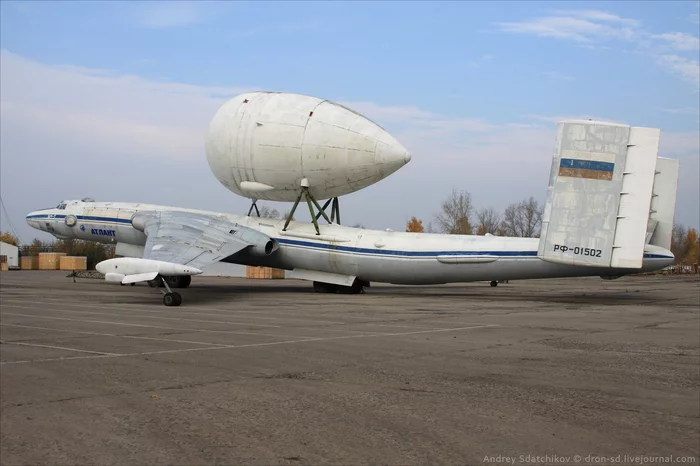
[455, 216]
[679, 243]
[268, 212]
[523, 219]
[489, 221]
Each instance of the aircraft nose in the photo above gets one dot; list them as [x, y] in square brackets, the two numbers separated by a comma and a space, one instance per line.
[31, 219]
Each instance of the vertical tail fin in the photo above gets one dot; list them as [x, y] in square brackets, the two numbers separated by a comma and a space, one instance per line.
[600, 195]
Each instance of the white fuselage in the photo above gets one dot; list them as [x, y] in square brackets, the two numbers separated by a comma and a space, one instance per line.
[370, 255]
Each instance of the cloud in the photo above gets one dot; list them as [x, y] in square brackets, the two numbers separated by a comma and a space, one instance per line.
[98, 107]
[682, 145]
[409, 116]
[598, 15]
[71, 132]
[580, 26]
[685, 68]
[554, 119]
[593, 28]
[681, 111]
[679, 40]
[169, 14]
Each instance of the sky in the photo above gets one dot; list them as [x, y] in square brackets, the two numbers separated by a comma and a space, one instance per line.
[113, 100]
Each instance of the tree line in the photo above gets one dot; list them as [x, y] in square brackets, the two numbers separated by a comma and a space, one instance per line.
[458, 216]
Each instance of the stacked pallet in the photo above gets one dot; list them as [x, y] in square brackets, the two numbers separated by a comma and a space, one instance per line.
[3, 263]
[73, 263]
[50, 260]
[29, 263]
[264, 272]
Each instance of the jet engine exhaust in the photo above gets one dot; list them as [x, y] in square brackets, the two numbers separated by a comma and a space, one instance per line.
[268, 248]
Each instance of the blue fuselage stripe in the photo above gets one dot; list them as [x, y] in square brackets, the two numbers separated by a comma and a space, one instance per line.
[351, 249]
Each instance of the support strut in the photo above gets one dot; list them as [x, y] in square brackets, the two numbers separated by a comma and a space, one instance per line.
[170, 298]
[254, 205]
[311, 202]
[335, 210]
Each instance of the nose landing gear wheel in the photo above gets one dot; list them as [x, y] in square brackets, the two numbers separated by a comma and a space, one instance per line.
[172, 299]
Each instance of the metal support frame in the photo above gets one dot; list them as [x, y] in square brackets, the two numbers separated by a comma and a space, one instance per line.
[254, 205]
[335, 210]
[311, 202]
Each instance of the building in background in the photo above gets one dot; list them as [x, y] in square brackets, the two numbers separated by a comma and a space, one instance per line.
[11, 252]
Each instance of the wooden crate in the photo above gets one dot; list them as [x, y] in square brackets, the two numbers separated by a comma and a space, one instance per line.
[3, 259]
[50, 260]
[29, 263]
[4, 266]
[268, 273]
[73, 263]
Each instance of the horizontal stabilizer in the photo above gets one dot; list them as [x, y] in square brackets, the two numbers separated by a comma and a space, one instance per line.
[599, 195]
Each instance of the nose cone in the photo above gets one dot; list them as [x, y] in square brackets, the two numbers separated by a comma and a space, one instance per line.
[32, 219]
[392, 153]
[101, 267]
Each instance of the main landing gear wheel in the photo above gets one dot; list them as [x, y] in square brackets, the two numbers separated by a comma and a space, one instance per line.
[172, 299]
[494, 283]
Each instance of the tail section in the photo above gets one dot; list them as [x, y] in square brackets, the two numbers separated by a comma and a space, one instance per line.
[599, 201]
[663, 203]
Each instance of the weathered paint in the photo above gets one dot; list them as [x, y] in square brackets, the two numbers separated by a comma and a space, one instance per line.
[371, 255]
[262, 144]
[600, 189]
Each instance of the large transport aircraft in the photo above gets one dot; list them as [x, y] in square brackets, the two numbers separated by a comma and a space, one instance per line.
[609, 212]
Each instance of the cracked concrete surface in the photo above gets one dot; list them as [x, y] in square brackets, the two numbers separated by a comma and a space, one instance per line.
[269, 372]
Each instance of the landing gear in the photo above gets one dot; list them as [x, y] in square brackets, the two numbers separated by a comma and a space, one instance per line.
[357, 287]
[311, 202]
[494, 283]
[170, 298]
[174, 282]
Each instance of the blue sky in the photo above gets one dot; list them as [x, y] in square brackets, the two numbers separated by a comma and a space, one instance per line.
[467, 86]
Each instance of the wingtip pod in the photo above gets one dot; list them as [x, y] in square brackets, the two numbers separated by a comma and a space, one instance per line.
[132, 270]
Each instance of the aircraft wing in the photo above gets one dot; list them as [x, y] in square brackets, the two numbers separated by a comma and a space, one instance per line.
[196, 240]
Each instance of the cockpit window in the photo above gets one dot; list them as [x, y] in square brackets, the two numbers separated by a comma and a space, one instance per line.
[61, 206]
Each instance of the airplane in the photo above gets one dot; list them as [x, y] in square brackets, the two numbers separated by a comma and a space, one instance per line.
[602, 218]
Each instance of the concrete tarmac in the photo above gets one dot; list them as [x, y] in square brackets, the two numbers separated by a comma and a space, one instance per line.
[270, 372]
